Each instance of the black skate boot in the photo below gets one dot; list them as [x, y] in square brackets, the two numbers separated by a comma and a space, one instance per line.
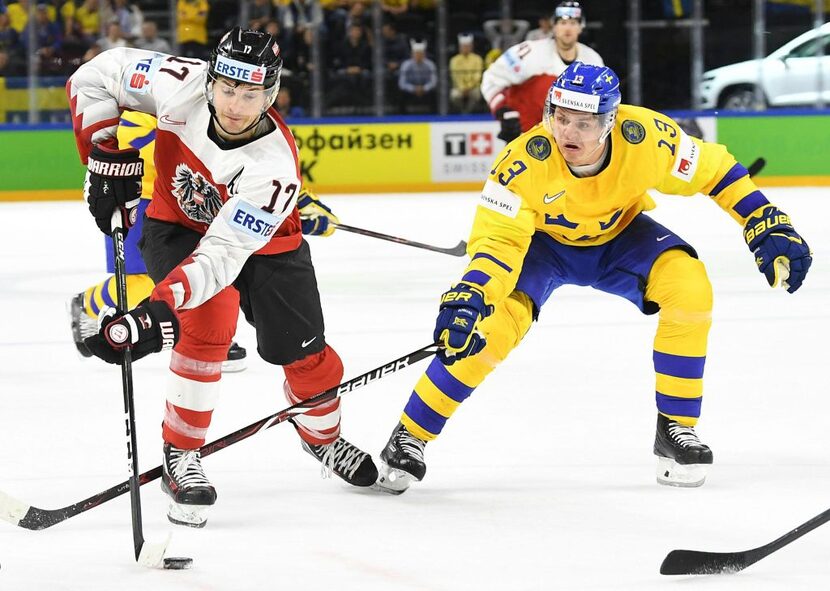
[401, 462]
[682, 460]
[184, 480]
[82, 325]
[347, 461]
[237, 359]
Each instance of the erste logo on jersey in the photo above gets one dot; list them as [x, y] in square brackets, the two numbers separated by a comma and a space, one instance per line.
[254, 221]
[197, 197]
[688, 156]
[138, 77]
[231, 68]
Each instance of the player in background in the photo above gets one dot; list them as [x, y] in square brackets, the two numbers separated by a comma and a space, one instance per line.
[138, 130]
[516, 85]
[222, 231]
[563, 205]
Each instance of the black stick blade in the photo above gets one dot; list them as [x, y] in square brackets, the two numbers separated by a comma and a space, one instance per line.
[692, 562]
[756, 166]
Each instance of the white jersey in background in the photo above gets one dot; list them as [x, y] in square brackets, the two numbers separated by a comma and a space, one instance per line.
[521, 77]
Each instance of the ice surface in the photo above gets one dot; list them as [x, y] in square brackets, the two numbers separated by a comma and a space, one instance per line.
[544, 479]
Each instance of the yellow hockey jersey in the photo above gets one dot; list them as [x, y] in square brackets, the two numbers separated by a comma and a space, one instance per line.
[531, 189]
[138, 130]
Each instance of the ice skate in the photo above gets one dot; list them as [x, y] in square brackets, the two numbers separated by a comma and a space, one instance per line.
[682, 460]
[184, 480]
[401, 462]
[237, 359]
[347, 461]
[82, 325]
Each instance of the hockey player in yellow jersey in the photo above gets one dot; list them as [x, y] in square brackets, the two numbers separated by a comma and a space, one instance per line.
[138, 130]
[563, 205]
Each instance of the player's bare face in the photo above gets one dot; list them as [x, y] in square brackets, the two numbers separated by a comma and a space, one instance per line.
[566, 32]
[577, 136]
[237, 107]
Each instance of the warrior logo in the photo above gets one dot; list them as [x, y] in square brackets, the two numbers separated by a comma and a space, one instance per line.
[199, 200]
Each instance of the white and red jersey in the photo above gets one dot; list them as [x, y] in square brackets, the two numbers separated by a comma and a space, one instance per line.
[242, 199]
[521, 77]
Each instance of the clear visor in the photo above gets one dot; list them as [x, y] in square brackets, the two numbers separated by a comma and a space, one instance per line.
[579, 124]
[269, 95]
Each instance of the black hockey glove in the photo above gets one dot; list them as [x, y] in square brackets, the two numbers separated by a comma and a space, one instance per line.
[149, 328]
[113, 180]
[780, 252]
[511, 127]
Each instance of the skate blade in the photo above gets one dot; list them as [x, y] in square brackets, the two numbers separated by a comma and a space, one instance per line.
[187, 515]
[670, 473]
[234, 365]
[392, 481]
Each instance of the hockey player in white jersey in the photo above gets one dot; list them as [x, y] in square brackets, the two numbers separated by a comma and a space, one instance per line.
[222, 231]
[516, 85]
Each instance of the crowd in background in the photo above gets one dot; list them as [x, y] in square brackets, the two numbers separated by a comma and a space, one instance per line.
[65, 33]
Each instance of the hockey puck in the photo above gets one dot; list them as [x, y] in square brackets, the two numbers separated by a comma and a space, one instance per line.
[178, 563]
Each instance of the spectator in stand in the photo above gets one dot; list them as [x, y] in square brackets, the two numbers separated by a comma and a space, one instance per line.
[284, 106]
[48, 38]
[191, 32]
[9, 38]
[19, 13]
[301, 60]
[5, 64]
[114, 38]
[544, 31]
[11, 50]
[418, 79]
[395, 47]
[297, 15]
[358, 16]
[335, 13]
[504, 33]
[273, 28]
[352, 64]
[83, 21]
[465, 72]
[130, 17]
[259, 13]
[150, 40]
[394, 7]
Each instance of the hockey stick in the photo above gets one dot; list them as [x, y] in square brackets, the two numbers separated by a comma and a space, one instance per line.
[146, 553]
[459, 250]
[756, 166]
[29, 517]
[692, 562]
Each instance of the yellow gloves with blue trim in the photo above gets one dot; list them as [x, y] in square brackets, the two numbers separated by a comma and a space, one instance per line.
[316, 218]
[780, 253]
[461, 309]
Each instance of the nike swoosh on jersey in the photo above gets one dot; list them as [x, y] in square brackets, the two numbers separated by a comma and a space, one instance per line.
[308, 342]
[661, 238]
[169, 121]
[548, 199]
